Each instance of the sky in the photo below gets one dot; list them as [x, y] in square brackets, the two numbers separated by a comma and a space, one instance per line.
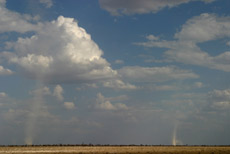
[153, 72]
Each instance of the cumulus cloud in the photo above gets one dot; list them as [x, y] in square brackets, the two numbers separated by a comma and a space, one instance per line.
[185, 48]
[62, 52]
[129, 7]
[2, 95]
[221, 105]
[69, 105]
[118, 84]
[155, 74]
[41, 91]
[13, 21]
[47, 3]
[198, 84]
[220, 99]
[104, 103]
[220, 95]
[152, 37]
[58, 93]
[204, 28]
[4, 71]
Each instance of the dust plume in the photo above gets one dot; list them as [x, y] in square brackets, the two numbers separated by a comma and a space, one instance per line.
[175, 140]
[35, 110]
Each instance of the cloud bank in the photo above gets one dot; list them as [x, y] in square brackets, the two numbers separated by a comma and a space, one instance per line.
[155, 74]
[185, 48]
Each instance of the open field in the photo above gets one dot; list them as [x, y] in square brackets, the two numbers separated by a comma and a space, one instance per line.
[116, 149]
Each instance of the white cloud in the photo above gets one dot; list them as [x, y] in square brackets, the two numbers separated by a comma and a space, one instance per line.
[118, 84]
[33, 64]
[106, 106]
[185, 49]
[87, 86]
[220, 99]
[2, 95]
[61, 52]
[155, 74]
[58, 52]
[129, 7]
[13, 21]
[58, 93]
[198, 84]
[104, 103]
[92, 85]
[4, 71]
[222, 105]
[41, 91]
[204, 28]
[220, 94]
[152, 37]
[69, 105]
[47, 3]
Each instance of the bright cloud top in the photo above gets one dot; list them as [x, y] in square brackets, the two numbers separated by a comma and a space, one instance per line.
[61, 52]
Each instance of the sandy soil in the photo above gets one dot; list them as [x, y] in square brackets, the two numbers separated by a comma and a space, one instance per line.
[116, 149]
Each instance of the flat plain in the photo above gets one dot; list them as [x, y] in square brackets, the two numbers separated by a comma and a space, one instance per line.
[115, 149]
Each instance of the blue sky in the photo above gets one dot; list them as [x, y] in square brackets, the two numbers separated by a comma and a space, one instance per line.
[115, 72]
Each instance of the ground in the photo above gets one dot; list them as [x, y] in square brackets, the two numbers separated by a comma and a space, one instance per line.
[115, 149]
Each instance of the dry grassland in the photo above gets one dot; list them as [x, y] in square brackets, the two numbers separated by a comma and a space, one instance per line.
[116, 149]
